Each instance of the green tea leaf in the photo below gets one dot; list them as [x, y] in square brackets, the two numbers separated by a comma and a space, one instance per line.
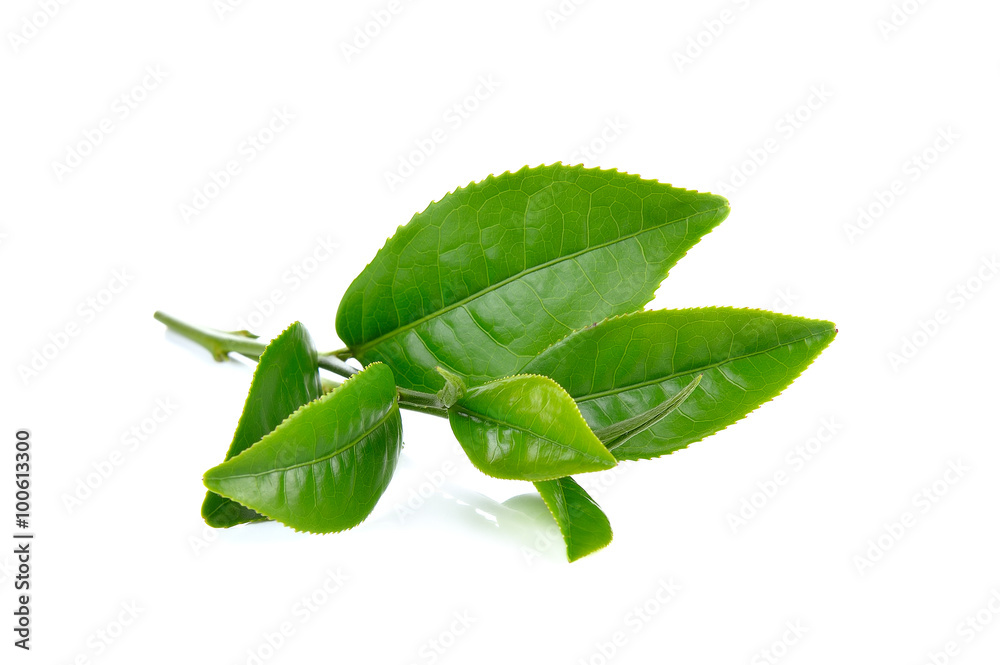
[526, 428]
[584, 526]
[325, 467]
[487, 277]
[628, 365]
[286, 377]
[453, 390]
[617, 434]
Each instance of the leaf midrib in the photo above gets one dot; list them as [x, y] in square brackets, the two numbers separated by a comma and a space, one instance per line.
[318, 460]
[703, 368]
[541, 266]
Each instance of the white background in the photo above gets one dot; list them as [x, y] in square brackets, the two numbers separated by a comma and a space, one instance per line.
[608, 68]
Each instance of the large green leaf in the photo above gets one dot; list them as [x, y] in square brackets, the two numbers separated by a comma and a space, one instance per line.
[286, 377]
[627, 365]
[583, 524]
[487, 277]
[325, 467]
[526, 428]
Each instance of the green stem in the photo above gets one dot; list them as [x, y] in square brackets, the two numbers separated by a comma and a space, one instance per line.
[220, 344]
[337, 366]
[343, 354]
[431, 411]
[422, 402]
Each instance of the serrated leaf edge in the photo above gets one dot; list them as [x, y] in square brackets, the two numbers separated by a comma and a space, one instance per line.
[576, 408]
[706, 308]
[239, 422]
[395, 405]
[579, 167]
[747, 414]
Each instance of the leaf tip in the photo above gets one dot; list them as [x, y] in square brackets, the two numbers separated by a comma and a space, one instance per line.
[212, 478]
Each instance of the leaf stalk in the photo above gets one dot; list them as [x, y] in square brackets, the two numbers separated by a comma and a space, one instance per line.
[221, 343]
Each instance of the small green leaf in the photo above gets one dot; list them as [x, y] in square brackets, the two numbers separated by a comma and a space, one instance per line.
[526, 428]
[493, 273]
[325, 467]
[584, 526]
[615, 435]
[453, 390]
[628, 365]
[286, 377]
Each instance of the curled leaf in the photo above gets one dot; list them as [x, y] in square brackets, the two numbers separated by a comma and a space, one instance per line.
[617, 434]
[453, 390]
[286, 377]
[324, 468]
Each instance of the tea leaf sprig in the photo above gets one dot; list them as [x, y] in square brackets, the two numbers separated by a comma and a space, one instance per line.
[513, 307]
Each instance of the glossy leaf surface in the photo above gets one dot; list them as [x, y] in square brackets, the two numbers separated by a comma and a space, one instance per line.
[325, 467]
[286, 377]
[627, 365]
[584, 526]
[526, 428]
[616, 435]
[487, 277]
